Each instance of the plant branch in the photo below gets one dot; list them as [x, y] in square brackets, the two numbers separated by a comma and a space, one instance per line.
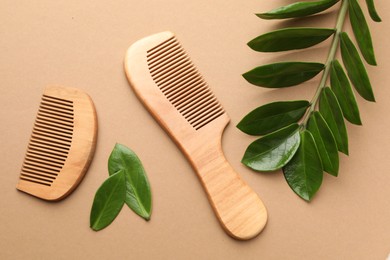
[331, 56]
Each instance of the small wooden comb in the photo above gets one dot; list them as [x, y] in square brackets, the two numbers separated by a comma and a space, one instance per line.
[166, 81]
[61, 146]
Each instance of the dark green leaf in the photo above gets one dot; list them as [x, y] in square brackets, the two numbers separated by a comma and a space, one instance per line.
[304, 172]
[138, 195]
[331, 111]
[361, 31]
[108, 201]
[326, 144]
[283, 74]
[373, 13]
[355, 68]
[272, 151]
[290, 39]
[298, 9]
[273, 116]
[343, 90]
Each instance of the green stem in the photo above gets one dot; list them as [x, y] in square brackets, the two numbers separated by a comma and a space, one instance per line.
[331, 56]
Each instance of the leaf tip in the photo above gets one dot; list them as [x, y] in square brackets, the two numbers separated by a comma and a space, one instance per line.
[261, 15]
[305, 196]
[94, 227]
[371, 99]
[238, 125]
[334, 171]
[245, 75]
[250, 44]
[355, 120]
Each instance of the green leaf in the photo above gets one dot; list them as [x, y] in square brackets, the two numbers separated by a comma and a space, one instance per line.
[304, 172]
[361, 31]
[343, 91]
[272, 151]
[298, 9]
[373, 13]
[283, 74]
[355, 68]
[331, 111]
[138, 195]
[273, 116]
[326, 144]
[290, 39]
[108, 201]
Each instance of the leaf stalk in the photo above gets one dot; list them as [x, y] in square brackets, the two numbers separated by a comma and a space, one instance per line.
[331, 56]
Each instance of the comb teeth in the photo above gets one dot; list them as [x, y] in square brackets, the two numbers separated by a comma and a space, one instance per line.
[181, 83]
[50, 141]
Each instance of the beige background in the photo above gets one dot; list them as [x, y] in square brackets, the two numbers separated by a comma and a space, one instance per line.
[82, 44]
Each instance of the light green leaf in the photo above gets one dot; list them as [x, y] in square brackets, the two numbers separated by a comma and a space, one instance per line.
[108, 201]
[138, 194]
[331, 111]
[355, 68]
[273, 116]
[373, 13]
[304, 172]
[326, 144]
[298, 9]
[361, 31]
[343, 91]
[290, 39]
[283, 74]
[272, 151]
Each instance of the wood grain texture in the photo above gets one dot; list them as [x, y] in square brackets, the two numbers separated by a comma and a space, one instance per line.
[166, 81]
[61, 146]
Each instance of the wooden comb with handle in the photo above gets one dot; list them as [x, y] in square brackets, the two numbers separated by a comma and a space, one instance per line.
[61, 146]
[166, 81]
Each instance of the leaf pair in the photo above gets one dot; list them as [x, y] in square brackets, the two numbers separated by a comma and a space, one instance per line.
[325, 143]
[273, 116]
[299, 38]
[302, 160]
[138, 195]
[278, 149]
[286, 74]
[326, 134]
[284, 146]
[330, 109]
[127, 183]
[277, 121]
